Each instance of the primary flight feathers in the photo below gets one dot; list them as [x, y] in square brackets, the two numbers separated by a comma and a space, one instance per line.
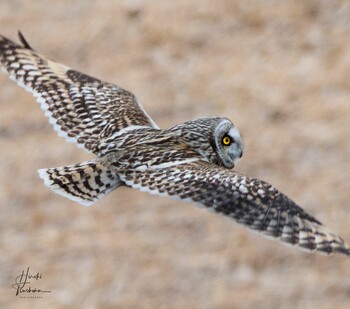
[192, 161]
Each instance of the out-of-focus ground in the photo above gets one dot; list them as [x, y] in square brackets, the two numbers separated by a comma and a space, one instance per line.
[279, 69]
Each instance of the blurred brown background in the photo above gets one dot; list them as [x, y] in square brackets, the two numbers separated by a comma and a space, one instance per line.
[279, 69]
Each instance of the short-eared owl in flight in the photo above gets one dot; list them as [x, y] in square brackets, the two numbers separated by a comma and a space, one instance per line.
[192, 161]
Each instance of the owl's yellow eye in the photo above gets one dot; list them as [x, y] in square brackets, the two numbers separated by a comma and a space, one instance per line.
[226, 140]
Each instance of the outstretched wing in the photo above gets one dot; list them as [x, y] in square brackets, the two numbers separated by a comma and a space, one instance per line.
[252, 202]
[81, 108]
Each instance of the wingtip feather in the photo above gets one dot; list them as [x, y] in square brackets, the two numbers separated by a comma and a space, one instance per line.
[23, 40]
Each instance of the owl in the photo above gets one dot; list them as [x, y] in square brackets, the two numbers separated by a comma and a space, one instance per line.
[192, 161]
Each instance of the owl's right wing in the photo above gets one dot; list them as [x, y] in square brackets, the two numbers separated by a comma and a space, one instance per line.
[251, 202]
[83, 109]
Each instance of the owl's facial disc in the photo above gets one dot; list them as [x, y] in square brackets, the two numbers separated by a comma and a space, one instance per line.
[229, 143]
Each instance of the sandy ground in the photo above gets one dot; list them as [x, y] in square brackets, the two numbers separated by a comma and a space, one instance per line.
[279, 69]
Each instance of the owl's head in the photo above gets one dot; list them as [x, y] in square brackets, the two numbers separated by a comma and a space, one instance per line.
[228, 143]
[216, 139]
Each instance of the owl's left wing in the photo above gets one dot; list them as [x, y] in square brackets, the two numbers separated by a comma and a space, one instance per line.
[81, 108]
[252, 202]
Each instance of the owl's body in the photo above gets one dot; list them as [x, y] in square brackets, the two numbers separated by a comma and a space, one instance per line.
[151, 147]
[192, 161]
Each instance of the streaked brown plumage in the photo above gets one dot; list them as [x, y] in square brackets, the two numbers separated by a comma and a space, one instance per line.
[191, 161]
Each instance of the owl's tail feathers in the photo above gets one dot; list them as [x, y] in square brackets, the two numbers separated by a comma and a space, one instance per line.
[84, 182]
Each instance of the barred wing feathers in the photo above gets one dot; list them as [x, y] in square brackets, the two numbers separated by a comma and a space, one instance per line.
[83, 109]
[251, 202]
